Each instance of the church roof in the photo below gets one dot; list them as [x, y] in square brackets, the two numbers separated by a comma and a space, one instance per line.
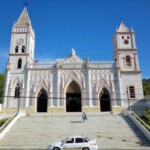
[24, 19]
[123, 28]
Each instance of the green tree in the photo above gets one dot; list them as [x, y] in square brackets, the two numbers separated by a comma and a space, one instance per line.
[2, 81]
[146, 86]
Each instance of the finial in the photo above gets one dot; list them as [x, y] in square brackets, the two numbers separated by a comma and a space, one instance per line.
[73, 53]
[25, 4]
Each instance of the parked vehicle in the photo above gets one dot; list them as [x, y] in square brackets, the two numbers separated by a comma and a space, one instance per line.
[74, 142]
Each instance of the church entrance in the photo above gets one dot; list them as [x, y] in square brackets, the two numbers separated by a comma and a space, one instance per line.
[105, 104]
[42, 101]
[73, 98]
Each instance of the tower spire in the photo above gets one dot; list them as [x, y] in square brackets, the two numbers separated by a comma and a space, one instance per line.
[24, 19]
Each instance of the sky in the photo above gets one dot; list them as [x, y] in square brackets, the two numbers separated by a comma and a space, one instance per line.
[85, 25]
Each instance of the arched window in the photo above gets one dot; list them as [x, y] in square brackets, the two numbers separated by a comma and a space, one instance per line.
[19, 63]
[128, 60]
[23, 49]
[16, 49]
[17, 91]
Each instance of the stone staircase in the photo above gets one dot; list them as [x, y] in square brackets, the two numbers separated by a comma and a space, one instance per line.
[111, 131]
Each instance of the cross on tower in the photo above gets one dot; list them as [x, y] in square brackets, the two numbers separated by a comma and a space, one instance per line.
[25, 4]
[121, 19]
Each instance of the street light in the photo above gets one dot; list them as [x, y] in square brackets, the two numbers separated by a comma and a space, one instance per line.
[127, 91]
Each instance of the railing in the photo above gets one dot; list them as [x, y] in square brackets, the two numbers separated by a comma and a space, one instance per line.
[102, 65]
[140, 124]
[63, 65]
[71, 65]
[140, 121]
[42, 65]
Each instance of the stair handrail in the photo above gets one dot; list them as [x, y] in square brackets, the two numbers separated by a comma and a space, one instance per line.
[144, 125]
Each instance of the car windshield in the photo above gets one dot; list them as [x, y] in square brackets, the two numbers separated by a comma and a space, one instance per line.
[87, 139]
[63, 141]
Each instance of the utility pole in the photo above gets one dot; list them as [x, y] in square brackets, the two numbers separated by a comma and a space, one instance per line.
[127, 91]
[17, 95]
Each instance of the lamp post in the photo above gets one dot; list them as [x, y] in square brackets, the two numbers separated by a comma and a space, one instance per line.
[18, 100]
[127, 91]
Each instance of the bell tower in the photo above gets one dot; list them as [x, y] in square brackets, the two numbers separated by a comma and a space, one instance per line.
[125, 50]
[23, 37]
[20, 57]
[128, 81]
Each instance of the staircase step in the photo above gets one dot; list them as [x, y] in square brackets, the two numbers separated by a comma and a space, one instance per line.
[38, 130]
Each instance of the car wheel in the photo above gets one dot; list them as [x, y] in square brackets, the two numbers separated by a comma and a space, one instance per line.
[56, 148]
[85, 148]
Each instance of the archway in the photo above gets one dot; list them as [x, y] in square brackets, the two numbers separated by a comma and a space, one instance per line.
[73, 98]
[105, 104]
[42, 101]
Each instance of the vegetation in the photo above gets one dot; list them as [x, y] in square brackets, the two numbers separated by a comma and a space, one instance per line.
[146, 117]
[146, 86]
[2, 121]
[2, 80]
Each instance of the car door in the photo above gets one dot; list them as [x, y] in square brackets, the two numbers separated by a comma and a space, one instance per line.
[69, 144]
[79, 142]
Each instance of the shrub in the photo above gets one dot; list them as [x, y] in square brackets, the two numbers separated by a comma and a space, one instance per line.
[2, 121]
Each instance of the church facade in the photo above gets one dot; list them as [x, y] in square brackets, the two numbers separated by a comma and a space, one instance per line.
[71, 84]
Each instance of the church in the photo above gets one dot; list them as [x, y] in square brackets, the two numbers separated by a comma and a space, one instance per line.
[71, 84]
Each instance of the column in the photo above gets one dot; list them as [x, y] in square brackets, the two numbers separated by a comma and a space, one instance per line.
[137, 62]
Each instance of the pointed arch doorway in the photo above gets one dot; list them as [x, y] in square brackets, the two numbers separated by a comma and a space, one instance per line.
[42, 101]
[73, 98]
[105, 104]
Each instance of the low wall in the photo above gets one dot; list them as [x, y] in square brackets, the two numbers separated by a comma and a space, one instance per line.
[8, 127]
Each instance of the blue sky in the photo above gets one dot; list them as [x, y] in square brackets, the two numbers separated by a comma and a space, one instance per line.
[86, 25]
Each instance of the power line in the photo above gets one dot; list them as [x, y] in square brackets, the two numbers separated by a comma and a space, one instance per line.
[64, 98]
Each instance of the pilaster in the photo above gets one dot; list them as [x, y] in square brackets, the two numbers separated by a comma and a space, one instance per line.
[58, 88]
[6, 89]
[89, 87]
[120, 88]
[28, 89]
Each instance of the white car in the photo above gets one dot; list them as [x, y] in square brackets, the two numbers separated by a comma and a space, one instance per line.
[74, 142]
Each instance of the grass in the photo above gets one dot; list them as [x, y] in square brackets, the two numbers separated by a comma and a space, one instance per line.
[146, 120]
[146, 117]
[2, 121]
